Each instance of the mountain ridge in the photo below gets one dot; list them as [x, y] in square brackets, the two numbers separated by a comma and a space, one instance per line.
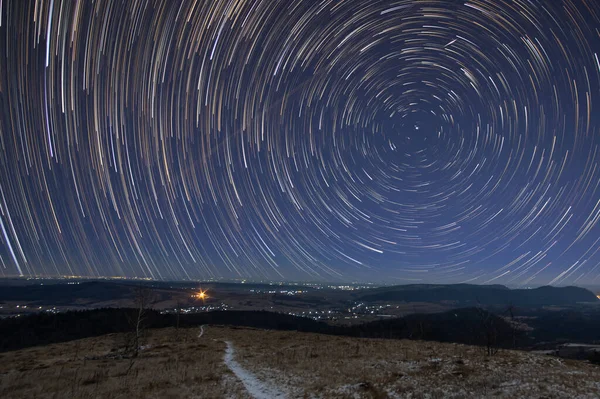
[471, 294]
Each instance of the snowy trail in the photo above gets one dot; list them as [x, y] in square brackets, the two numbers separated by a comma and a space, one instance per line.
[256, 388]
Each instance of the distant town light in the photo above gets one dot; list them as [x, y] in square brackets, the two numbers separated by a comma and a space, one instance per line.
[201, 295]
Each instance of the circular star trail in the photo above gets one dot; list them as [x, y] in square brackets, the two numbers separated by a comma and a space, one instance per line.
[398, 141]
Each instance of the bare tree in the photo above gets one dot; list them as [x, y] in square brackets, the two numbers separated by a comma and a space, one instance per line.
[511, 311]
[177, 317]
[420, 325]
[489, 330]
[142, 299]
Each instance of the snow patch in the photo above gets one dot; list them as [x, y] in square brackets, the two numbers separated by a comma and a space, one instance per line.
[256, 388]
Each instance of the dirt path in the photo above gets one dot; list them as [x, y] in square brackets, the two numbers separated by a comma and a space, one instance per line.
[256, 388]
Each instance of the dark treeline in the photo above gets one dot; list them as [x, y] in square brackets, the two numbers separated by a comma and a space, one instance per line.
[464, 326]
[473, 326]
[46, 328]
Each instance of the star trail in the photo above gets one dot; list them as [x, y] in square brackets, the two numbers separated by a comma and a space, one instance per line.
[398, 141]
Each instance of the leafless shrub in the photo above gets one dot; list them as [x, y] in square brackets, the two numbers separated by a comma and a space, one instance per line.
[489, 331]
[142, 299]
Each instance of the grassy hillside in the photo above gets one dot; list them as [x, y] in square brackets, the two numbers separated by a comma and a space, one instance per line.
[177, 363]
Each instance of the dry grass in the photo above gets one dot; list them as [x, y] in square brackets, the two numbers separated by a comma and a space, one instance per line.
[174, 365]
[325, 366]
[306, 365]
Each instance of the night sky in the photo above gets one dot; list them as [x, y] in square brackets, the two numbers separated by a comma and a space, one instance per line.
[390, 141]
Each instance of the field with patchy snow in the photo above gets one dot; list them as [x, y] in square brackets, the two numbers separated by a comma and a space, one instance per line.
[245, 363]
[325, 366]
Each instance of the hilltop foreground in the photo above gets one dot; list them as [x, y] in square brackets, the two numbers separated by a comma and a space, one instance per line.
[243, 363]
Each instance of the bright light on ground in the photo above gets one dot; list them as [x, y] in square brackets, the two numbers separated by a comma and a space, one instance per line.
[201, 295]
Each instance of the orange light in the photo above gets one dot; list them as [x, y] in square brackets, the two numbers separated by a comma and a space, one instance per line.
[201, 295]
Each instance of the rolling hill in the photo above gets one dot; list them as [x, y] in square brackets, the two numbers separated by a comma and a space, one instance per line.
[471, 295]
